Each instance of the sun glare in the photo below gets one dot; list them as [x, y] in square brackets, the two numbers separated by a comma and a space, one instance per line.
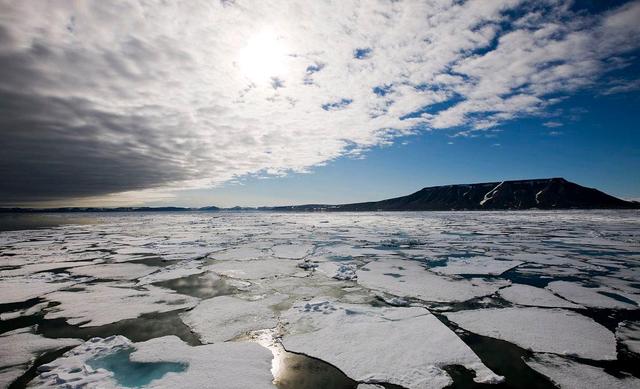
[263, 58]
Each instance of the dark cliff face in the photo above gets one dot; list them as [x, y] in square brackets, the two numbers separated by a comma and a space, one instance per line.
[551, 193]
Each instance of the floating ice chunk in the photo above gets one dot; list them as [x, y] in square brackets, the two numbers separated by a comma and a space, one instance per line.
[20, 347]
[568, 374]
[292, 251]
[41, 267]
[17, 289]
[252, 270]
[24, 312]
[416, 344]
[115, 271]
[101, 304]
[307, 265]
[240, 254]
[542, 330]
[71, 370]
[536, 297]
[476, 265]
[177, 270]
[628, 332]
[339, 270]
[230, 365]
[409, 279]
[370, 386]
[591, 297]
[224, 317]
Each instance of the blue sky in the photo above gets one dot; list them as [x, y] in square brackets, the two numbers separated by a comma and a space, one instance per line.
[597, 145]
[288, 101]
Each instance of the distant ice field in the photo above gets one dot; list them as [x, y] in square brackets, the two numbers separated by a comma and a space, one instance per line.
[413, 300]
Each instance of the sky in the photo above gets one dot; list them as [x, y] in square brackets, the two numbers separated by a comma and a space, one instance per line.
[250, 103]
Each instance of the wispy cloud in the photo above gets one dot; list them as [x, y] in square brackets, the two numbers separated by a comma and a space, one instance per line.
[552, 124]
[107, 97]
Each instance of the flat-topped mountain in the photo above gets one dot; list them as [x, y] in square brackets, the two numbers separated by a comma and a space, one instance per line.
[548, 193]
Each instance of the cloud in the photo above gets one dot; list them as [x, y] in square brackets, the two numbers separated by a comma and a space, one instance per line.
[98, 98]
[552, 124]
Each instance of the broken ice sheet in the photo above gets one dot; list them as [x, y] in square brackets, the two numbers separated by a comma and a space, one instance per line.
[416, 344]
[405, 278]
[532, 296]
[595, 297]
[115, 271]
[476, 265]
[177, 270]
[18, 289]
[628, 332]
[543, 330]
[254, 269]
[101, 304]
[338, 270]
[225, 317]
[568, 374]
[292, 251]
[165, 362]
[20, 347]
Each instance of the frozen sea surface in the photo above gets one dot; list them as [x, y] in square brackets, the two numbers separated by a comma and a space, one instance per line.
[321, 300]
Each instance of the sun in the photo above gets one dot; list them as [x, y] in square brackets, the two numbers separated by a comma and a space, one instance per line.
[264, 57]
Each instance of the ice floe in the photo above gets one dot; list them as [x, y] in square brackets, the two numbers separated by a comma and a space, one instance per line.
[542, 330]
[410, 279]
[476, 265]
[256, 269]
[225, 317]
[628, 333]
[101, 304]
[20, 347]
[339, 270]
[17, 289]
[568, 374]
[115, 271]
[292, 251]
[536, 297]
[177, 270]
[231, 365]
[351, 337]
[240, 253]
[591, 297]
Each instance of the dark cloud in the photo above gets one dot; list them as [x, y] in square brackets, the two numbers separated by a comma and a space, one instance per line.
[55, 149]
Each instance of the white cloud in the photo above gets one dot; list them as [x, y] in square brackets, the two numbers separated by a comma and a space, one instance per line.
[552, 124]
[206, 101]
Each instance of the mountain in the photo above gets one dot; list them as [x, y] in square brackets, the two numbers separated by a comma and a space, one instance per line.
[548, 193]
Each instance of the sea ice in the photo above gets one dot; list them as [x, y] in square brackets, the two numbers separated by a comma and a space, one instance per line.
[536, 297]
[542, 330]
[225, 317]
[115, 271]
[628, 332]
[71, 369]
[239, 254]
[230, 365]
[18, 289]
[568, 374]
[292, 251]
[20, 347]
[339, 270]
[256, 269]
[589, 297]
[416, 344]
[409, 279]
[101, 304]
[476, 265]
[177, 270]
